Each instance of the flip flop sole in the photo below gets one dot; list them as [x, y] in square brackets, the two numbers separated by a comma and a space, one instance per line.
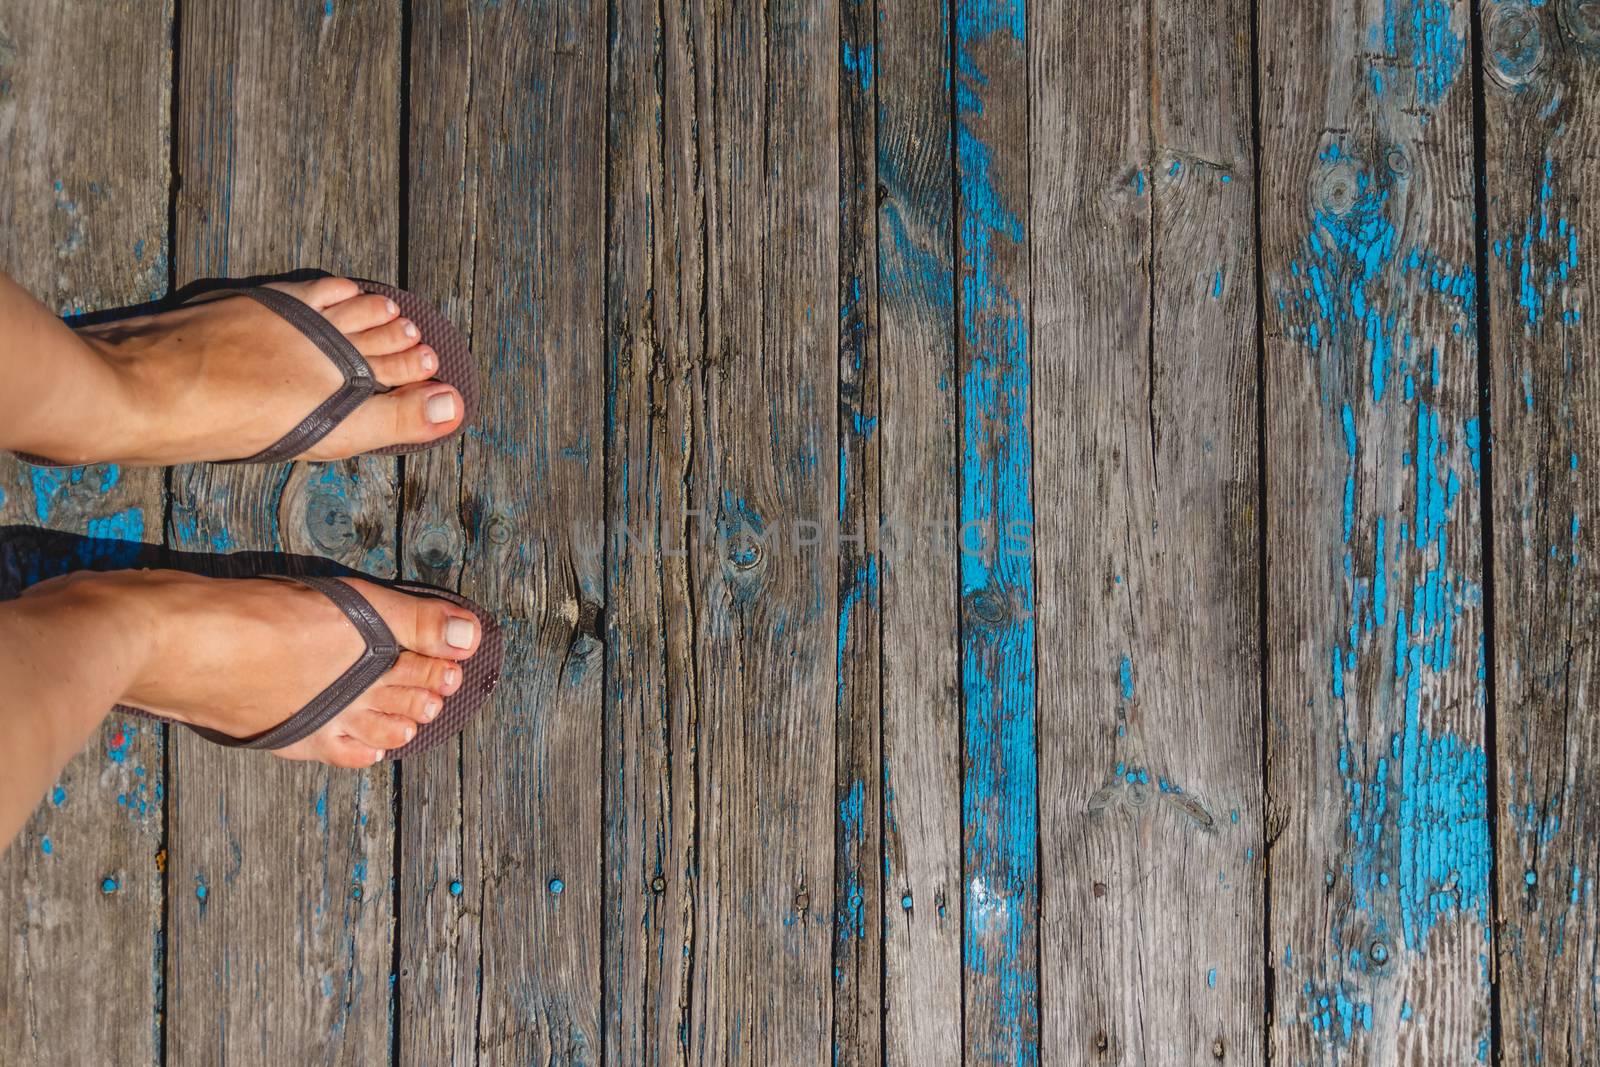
[479, 676]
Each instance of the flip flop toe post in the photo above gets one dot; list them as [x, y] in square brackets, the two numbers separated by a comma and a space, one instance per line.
[480, 673]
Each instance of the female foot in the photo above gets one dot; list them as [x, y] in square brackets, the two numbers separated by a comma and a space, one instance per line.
[224, 378]
[242, 655]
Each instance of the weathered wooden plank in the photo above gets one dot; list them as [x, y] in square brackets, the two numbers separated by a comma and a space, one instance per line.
[921, 676]
[1145, 472]
[999, 804]
[766, 610]
[1380, 889]
[281, 909]
[1541, 144]
[533, 508]
[439, 903]
[655, 347]
[858, 885]
[83, 226]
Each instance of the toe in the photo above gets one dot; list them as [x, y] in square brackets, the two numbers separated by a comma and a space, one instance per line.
[410, 415]
[375, 729]
[320, 293]
[415, 364]
[348, 752]
[440, 676]
[406, 702]
[396, 335]
[361, 313]
[424, 624]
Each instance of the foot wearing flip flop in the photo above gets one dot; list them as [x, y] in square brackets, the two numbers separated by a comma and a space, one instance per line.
[241, 657]
[228, 377]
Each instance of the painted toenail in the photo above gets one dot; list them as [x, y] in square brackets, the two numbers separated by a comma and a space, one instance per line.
[458, 633]
[441, 408]
[430, 362]
[409, 329]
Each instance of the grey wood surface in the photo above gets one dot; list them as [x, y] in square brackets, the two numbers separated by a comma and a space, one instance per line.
[531, 500]
[765, 605]
[441, 880]
[788, 313]
[1379, 894]
[859, 891]
[280, 902]
[1147, 544]
[922, 999]
[83, 226]
[655, 349]
[1541, 141]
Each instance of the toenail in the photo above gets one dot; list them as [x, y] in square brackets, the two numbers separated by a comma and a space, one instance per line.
[441, 408]
[391, 307]
[458, 633]
[451, 676]
[409, 329]
[377, 753]
[430, 710]
[430, 362]
[411, 731]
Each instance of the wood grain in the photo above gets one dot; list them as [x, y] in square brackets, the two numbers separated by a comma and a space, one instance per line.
[858, 882]
[83, 226]
[922, 848]
[1144, 352]
[656, 349]
[999, 805]
[1380, 889]
[1541, 143]
[281, 874]
[533, 508]
[439, 920]
[766, 605]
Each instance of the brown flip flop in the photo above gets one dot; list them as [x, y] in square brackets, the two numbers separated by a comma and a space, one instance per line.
[479, 674]
[456, 368]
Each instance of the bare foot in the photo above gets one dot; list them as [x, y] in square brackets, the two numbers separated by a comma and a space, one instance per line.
[225, 378]
[243, 655]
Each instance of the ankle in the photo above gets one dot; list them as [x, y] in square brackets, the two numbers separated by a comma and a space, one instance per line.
[110, 612]
[86, 412]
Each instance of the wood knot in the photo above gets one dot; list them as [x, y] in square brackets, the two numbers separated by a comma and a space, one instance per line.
[802, 900]
[329, 523]
[1581, 20]
[435, 548]
[658, 885]
[1513, 44]
[1335, 187]
[1101, 1042]
[1216, 1049]
[1099, 889]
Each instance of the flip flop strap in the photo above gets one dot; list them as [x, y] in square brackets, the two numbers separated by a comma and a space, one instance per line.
[359, 384]
[381, 653]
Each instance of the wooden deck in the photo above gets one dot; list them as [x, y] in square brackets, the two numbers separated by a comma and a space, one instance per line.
[994, 512]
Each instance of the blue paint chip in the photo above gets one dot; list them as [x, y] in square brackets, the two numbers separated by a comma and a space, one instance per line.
[556, 886]
[108, 885]
[455, 889]
[45, 846]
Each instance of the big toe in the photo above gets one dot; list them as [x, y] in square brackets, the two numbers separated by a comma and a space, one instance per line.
[410, 415]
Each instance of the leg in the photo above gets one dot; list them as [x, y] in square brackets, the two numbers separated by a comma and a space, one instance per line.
[235, 655]
[219, 379]
[57, 696]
